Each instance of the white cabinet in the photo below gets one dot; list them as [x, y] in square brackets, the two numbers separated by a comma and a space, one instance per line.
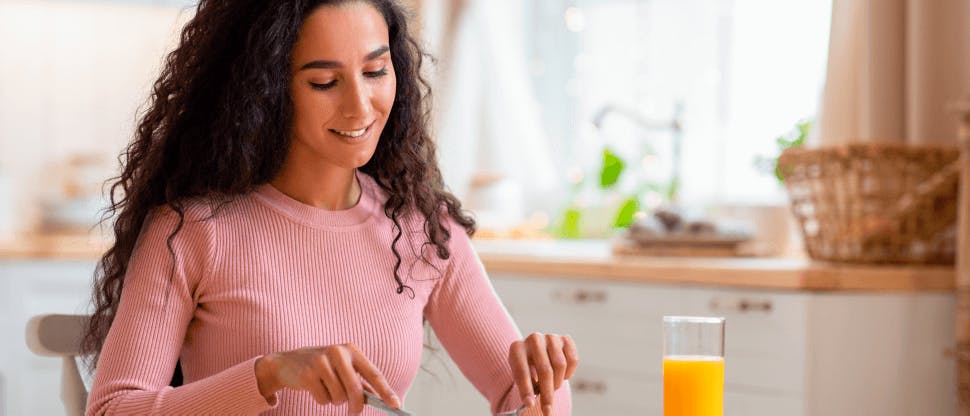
[788, 353]
[31, 384]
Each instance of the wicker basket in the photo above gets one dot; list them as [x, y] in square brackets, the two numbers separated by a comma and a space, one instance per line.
[875, 203]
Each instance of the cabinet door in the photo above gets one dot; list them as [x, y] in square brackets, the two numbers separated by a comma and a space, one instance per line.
[600, 392]
[8, 323]
[762, 404]
[882, 354]
[440, 389]
[616, 326]
[39, 287]
[765, 336]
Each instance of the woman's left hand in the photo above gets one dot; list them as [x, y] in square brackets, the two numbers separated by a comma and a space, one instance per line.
[540, 364]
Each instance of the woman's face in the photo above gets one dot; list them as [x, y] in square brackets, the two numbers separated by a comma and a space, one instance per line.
[342, 85]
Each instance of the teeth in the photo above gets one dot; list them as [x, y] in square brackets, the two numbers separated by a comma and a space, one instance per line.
[354, 133]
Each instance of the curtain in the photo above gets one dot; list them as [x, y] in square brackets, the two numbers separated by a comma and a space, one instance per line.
[894, 67]
[492, 146]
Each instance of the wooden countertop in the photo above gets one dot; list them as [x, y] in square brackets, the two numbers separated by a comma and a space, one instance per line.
[53, 247]
[592, 260]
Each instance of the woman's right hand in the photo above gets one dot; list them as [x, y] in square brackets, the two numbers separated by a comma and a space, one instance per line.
[329, 374]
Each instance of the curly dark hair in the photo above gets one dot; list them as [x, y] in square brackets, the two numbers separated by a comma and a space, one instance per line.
[199, 138]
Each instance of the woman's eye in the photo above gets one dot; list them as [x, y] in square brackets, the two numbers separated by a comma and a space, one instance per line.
[326, 86]
[376, 74]
[371, 74]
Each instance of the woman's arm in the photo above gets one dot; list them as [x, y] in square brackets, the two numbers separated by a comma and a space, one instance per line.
[146, 336]
[476, 330]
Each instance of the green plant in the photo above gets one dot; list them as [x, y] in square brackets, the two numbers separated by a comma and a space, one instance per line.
[571, 220]
[793, 138]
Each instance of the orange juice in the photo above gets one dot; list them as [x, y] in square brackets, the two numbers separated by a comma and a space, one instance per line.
[693, 386]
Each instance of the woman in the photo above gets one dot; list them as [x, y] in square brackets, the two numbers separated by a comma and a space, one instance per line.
[282, 231]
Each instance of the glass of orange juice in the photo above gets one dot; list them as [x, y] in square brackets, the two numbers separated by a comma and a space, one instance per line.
[693, 366]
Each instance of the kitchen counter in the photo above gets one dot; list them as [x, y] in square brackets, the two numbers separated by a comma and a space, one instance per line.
[63, 246]
[592, 259]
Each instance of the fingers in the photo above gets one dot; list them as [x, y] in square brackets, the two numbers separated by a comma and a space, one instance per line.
[534, 377]
[557, 359]
[536, 344]
[338, 395]
[335, 374]
[375, 378]
[521, 374]
[572, 356]
[344, 367]
[317, 390]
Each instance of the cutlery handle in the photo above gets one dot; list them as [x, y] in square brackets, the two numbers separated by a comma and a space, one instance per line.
[515, 412]
[371, 400]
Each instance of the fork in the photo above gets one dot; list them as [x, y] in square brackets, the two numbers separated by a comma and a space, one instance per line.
[515, 412]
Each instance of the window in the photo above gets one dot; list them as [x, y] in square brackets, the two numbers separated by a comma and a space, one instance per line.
[742, 73]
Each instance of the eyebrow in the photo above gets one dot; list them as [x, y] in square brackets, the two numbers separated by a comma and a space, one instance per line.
[334, 64]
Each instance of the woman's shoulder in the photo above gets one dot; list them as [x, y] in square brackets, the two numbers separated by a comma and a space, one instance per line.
[203, 211]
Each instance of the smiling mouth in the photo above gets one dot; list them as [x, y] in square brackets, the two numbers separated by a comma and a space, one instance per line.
[352, 133]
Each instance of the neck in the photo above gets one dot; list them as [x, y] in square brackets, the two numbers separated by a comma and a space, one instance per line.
[330, 188]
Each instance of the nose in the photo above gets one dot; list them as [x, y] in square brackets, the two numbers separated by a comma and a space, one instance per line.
[355, 102]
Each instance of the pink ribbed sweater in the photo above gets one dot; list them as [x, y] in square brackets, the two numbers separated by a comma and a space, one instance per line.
[267, 273]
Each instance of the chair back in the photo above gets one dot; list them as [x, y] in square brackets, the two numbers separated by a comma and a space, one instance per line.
[60, 336]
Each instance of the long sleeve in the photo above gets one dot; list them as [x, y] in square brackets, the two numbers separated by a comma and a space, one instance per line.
[265, 273]
[148, 332]
[476, 330]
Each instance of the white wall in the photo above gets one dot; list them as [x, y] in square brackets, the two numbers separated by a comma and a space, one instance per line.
[72, 76]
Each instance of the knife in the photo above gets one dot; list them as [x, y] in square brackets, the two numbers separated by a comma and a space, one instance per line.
[371, 400]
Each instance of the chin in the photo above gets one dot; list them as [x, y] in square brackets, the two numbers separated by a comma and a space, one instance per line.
[358, 160]
[357, 163]
[363, 156]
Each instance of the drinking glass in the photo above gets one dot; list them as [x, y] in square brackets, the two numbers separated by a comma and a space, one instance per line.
[693, 366]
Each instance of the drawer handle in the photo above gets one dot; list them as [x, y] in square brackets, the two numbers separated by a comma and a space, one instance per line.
[741, 305]
[588, 386]
[580, 296]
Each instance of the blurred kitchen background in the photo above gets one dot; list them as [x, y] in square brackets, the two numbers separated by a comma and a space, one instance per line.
[622, 158]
